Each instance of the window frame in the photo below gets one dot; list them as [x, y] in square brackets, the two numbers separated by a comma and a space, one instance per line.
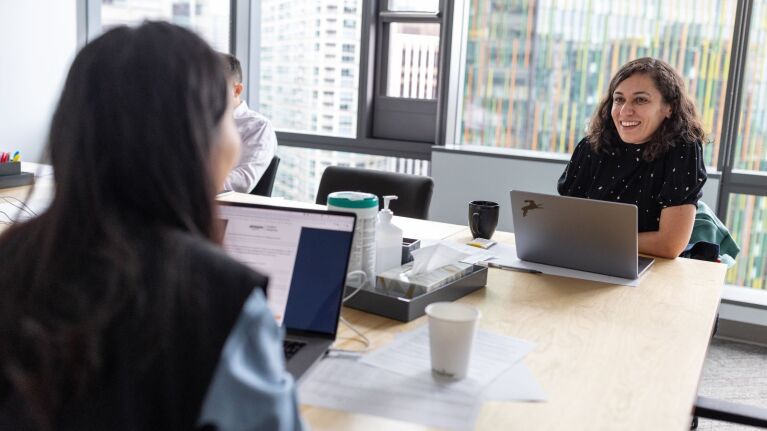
[88, 21]
[365, 141]
[397, 117]
[737, 181]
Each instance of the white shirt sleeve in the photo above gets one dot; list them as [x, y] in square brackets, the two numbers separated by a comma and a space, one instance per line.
[259, 143]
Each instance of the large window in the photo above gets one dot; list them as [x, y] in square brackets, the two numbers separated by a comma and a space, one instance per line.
[309, 65]
[408, 58]
[536, 70]
[747, 213]
[209, 18]
[309, 82]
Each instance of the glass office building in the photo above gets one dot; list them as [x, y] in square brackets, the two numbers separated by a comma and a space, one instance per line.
[535, 71]
[309, 61]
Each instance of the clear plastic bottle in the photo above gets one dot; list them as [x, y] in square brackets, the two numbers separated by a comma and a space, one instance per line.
[388, 239]
[363, 254]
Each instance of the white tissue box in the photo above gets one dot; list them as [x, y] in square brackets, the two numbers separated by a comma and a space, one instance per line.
[397, 281]
[406, 309]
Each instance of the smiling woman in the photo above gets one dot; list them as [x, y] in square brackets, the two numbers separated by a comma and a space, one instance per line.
[638, 109]
[644, 147]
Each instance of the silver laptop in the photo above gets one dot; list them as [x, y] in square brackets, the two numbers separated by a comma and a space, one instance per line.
[305, 253]
[582, 234]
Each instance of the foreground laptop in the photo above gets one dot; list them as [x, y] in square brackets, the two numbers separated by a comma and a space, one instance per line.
[305, 253]
[582, 234]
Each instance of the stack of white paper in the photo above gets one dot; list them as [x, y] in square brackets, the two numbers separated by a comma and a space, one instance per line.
[396, 381]
[492, 354]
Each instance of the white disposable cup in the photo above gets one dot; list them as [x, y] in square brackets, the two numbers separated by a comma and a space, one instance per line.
[452, 327]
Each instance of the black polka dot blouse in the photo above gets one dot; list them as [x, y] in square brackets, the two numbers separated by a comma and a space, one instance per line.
[620, 174]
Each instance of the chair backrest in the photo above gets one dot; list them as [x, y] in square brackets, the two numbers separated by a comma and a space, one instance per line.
[266, 183]
[413, 191]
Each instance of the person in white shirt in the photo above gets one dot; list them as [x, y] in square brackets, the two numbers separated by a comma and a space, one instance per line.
[259, 141]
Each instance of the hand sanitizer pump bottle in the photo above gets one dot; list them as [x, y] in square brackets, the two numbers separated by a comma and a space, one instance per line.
[388, 239]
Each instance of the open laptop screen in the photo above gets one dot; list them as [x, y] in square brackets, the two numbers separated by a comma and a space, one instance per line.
[304, 252]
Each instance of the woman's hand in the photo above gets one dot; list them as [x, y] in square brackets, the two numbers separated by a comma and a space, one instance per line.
[673, 234]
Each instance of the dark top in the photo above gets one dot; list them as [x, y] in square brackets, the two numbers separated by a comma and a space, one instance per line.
[620, 174]
[191, 297]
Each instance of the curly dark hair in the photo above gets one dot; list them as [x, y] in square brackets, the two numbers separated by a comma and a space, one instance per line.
[683, 124]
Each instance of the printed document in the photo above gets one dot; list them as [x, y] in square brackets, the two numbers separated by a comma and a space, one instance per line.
[410, 393]
[492, 354]
[345, 384]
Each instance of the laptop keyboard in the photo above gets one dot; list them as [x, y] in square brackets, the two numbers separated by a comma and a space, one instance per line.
[291, 348]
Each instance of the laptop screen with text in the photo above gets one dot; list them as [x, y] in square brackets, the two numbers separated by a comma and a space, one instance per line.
[304, 253]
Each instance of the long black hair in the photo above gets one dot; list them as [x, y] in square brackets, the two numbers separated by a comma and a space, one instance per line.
[130, 143]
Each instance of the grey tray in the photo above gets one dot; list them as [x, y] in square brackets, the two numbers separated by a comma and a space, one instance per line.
[10, 168]
[16, 180]
[404, 309]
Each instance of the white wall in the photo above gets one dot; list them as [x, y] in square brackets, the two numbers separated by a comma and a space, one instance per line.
[38, 40]
[461, 177]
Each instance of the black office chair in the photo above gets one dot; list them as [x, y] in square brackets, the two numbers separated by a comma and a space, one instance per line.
[727, 411]
[720, 410]
[413, 191]
[266, 183]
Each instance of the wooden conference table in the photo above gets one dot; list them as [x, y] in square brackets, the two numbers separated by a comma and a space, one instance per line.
[608, 357]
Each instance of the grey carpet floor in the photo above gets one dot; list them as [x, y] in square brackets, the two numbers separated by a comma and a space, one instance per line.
[734, 372]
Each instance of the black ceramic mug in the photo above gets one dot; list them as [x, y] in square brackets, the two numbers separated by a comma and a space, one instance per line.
[483, 218]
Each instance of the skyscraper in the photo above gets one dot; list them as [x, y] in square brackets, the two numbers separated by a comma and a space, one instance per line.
[309, 81]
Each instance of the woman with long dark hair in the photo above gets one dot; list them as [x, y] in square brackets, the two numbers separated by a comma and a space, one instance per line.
[644, 147]
[115, 303]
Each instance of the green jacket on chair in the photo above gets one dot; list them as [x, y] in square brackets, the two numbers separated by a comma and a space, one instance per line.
[710, 229]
